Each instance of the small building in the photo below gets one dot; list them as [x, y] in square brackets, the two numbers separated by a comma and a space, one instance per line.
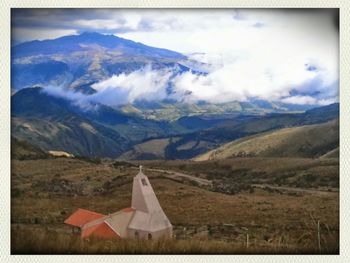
[144, 219]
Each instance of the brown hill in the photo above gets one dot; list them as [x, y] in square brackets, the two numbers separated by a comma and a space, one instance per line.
[304, 141]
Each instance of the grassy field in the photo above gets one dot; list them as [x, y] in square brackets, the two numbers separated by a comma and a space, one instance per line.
[45, 192]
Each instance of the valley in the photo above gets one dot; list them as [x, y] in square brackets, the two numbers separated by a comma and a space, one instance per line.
[54, 123]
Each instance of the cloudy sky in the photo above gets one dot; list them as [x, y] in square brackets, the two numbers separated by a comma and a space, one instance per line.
[285, 54]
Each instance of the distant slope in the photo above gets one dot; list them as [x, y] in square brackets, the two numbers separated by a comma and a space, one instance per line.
[23, 150]
[185, 112]
[205, 140]
[149, 150]
[304, 141]
[236, 126]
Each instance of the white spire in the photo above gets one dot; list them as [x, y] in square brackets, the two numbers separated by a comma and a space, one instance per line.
[143, 196]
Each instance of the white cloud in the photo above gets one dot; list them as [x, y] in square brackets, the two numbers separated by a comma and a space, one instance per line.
[300, 100]
[227, 83]
[143, 84]
[266, 62]
[327, 101]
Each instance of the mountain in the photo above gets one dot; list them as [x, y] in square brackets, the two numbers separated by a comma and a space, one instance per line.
[238, 126]
[53, 123]
[79, 61]
[24, 150]
[90, 40]
[67, 118]
[56, 123]
[309, 141]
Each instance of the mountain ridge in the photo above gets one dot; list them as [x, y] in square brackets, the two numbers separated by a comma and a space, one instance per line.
[71, 43]
[78, 61]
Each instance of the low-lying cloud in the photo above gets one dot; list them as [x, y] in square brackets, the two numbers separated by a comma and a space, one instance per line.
[143, 84]
[293, 83]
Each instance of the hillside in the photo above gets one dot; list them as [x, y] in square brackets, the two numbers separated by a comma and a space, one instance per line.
[235, 127]
[149, 150]
[54, 123]
[24, 150]
[305, 141]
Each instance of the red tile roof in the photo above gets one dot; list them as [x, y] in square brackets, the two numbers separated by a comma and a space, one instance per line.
[101, 230]
[81, 217]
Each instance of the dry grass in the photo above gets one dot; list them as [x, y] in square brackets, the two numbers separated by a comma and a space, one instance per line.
[294, 172]
[34, 240]
[45, 192]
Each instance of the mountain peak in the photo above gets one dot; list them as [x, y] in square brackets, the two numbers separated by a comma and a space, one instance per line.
[72, 43]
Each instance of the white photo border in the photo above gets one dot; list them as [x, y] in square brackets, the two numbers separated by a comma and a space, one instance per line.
[5, 94]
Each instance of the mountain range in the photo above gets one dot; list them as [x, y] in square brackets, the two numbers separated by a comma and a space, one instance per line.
[144, 129]
[78, 61]
[196, 143]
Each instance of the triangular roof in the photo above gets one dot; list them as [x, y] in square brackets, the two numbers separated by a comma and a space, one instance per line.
[143, 197]
[81, 217]
[102, 230]
[120, 220]
[149, 215]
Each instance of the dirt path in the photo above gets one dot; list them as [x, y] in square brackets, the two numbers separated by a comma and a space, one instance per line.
[298, 190]
[178, 175]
